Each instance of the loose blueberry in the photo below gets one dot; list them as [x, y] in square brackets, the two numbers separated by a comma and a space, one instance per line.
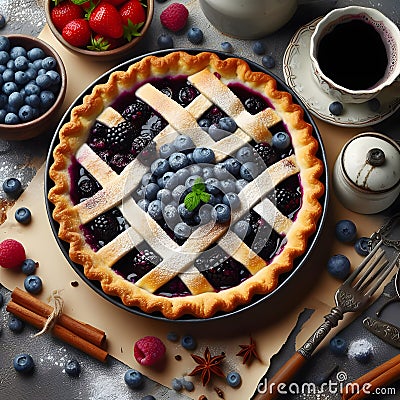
[188, 385]
[195, 35]
[258, 47]
[221, 213]
[184, 213]
[178, 161]
[233, 379]
[182, 231]
[362, 246]
[204, 124]
[227, 47]
[12, 187]
[29, 266]
[23, 215]
[133, 378]
[150, 191]
[155, 210]
[183, 143]
[336, 108]
[227, 124]
[165, 41]
[23, 363]
[33, 284]
[245, 154]
[166, 150]
[281, 140]
[176, 384]
[249, 171]
[345, 231]
[338, 346]
[203, 155]
[268, 61]
[73, 368]
[15, 324]
[212, 186]
[232, 166]
[159, 167]
[188, 342]
[339, 266]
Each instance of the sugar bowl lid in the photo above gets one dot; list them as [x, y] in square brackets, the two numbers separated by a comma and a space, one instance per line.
[371, 161]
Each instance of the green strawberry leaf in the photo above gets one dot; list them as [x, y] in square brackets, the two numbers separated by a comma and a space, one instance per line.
[191, 201]
[132, 30]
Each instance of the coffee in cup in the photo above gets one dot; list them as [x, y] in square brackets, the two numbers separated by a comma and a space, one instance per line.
[355, 53]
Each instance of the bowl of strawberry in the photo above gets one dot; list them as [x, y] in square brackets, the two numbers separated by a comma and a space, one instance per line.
[107, 29]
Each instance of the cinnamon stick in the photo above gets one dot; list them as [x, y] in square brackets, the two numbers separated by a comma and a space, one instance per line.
[382, 375]
[58, 331]
[83, 330]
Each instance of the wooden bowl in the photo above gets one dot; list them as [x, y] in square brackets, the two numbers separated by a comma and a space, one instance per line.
[49, 119]
[108, 55]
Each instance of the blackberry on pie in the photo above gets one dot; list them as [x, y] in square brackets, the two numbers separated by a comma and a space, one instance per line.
[201, 236]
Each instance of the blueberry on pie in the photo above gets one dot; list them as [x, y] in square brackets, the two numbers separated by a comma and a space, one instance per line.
[186, 184]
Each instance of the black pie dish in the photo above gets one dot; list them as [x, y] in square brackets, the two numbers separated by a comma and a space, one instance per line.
[284, 279]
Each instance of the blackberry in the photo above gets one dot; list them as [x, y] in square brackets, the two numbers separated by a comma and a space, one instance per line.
[286, 200]
[214, 114]
[119, 161]
[139, 144]
[137, 113]
[149, 153]
[144, 261]
[254, 105]
[154, 125]
[87, 187]
[106, 227]
[120, 137]
[266, 152]
[187, 94]
[227, 274]
[174, 287]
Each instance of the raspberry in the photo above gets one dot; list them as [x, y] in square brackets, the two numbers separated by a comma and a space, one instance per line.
[12, 253]
[174, 17]
[149, 350]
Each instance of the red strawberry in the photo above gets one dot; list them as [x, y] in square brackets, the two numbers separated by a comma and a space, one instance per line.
[12, 254]
[65, 12]
[106, 20]
[77, 32]
[133, 11]
[133, 17]
[174, 17]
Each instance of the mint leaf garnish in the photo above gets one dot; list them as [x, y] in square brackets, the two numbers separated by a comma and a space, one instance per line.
[198, 194]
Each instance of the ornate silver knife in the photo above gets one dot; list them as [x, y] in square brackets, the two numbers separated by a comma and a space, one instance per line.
[384, 330]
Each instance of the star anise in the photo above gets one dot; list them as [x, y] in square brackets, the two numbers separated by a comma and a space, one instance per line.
[248, 352]
[208, 366]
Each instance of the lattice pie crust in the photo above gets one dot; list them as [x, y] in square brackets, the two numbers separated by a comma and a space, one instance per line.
[209, 75]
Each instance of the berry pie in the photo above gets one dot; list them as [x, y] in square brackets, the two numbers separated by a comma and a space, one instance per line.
[186, 184]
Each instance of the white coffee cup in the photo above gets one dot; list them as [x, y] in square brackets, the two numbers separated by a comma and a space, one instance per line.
[369, 21]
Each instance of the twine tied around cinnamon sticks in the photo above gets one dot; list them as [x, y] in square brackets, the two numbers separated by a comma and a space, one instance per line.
[55, 314]
[78, 334]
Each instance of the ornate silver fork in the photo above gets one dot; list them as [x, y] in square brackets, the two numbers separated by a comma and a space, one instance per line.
[353, 295]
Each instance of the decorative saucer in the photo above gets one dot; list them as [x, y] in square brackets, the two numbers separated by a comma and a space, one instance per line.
[298, 75]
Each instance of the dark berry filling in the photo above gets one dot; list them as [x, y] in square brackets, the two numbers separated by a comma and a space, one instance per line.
[120, 145]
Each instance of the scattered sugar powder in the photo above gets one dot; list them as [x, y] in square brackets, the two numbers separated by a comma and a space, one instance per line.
[361, 350]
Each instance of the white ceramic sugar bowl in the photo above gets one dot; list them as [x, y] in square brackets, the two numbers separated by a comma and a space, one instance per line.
[366, 175]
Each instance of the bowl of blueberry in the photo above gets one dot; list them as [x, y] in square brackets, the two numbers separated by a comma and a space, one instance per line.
[33, 85]
[104, 30]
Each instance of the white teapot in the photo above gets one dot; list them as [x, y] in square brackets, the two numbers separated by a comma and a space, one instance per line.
[249, 19]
